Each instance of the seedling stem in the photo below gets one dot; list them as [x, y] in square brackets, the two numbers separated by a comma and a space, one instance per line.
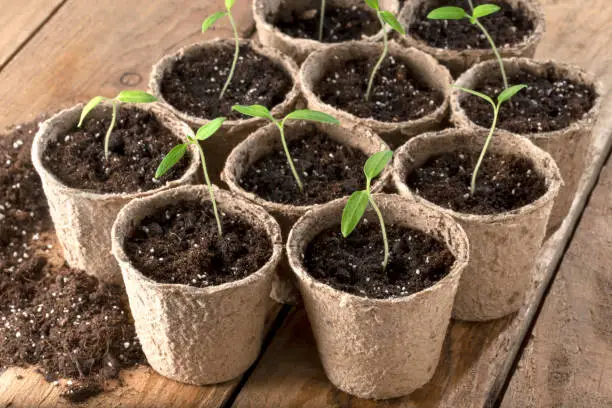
[259, 111]
[123, 97]
[179, 151]
[321, 20]
[457, 13]
[385, 17]
[358, 201]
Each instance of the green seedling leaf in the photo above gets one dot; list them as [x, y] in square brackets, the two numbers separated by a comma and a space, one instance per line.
[390, 19]
[311, 115]
[229, 4]
[373, 4]
[171, 159]
[353, 211]
[475, 93]
[256, 111]
[509, 93]
[95, 101]
[210, 128]
[485, 10]
[212, 20]
[135, 97]
[377, 163]
[447, 13]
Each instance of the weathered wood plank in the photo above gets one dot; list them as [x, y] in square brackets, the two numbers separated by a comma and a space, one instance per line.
[100, 47]
[19, 21]
[568, 360]
[91, 48]
[477, 358]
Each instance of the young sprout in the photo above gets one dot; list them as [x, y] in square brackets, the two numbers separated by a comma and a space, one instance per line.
[504, 96]
[385, 17]
[212, 20]
[259, 111]
[178, 152]
[457, 13]
[123, 97]
[321, 20]
[358, 201]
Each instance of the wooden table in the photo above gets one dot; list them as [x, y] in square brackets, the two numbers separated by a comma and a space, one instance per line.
[556, 351]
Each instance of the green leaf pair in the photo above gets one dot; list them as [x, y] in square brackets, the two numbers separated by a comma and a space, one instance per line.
[457, 13]
[358, 201]
[123, 97]
[387, 17]
[504, 96]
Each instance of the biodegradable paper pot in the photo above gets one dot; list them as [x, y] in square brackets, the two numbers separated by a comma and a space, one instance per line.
[83, 219]
[198, 335]
[379, 348]
[265, 141]
[422, 66]
[504, 246]
[457, 61]
[266, 11]
[211, 48]
[569, 146]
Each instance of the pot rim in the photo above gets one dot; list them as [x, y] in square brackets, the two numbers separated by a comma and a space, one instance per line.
[459, 247]
[168, 61]
[262, 21]
[229, 176]
[534, 7]
[395, 50]
[460, 118]
[148, 205]
[167, 120]
[551, 174]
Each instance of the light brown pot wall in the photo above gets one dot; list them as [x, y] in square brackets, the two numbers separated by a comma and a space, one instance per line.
[503, 247]
[212, 47]
[83, 219]
[265, 11]
[423, 67]
[198, 335]
[569, 146]
[379, 348]
[267, 140]
[457, 61]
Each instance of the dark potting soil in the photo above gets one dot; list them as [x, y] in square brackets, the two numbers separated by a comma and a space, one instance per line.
[507, 27]
[180, 244]
[549, 103]
[75, 330]
[396, 96]
[340, 23]
[137, 145]
[504, 182]
[416, 260]
[194, 84]
[328, 170]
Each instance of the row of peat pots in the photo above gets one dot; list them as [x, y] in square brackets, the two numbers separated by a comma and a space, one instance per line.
[197, 282]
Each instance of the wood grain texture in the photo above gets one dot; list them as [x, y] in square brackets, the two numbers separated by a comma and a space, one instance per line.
[19, 21]
[477, 358]
[568, 360]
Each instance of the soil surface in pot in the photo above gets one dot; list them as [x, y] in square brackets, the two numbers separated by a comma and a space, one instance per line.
[137, 145]
[504, 182]
[549, 103]
[397, 96]
[75, 330]
[507, 27]
[340, 23]
[180, 244]
[194, 83]
[328, 170]
[417, 260]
